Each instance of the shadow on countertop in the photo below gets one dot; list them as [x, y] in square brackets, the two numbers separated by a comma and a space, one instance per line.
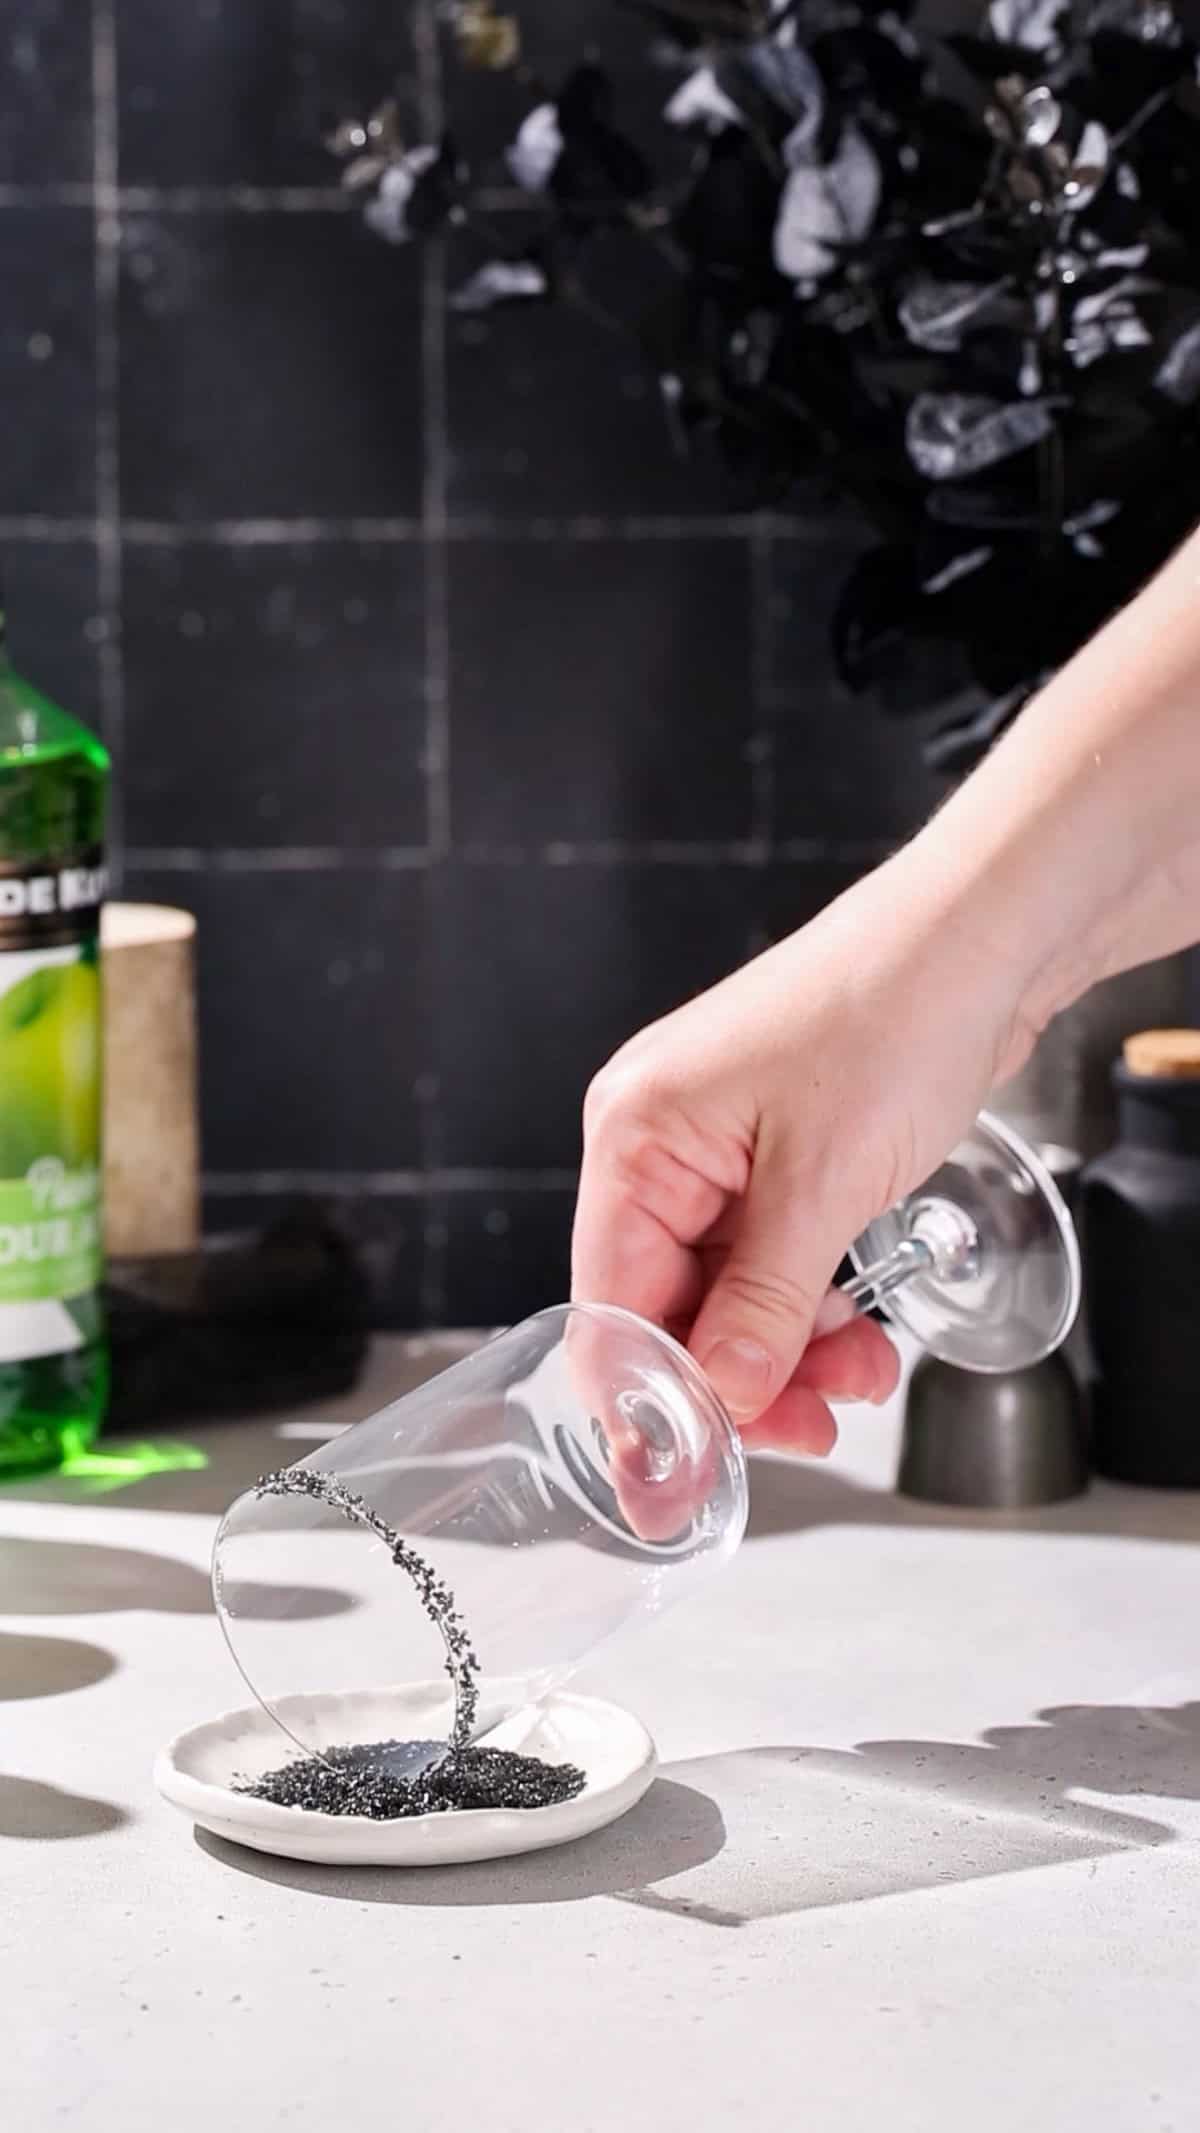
[44, 1577]
[219, 1458]
[30, 1809]
[767, 1832]
[786, 1495]
[794, 1496]
[49, 1666]
[674, 1830]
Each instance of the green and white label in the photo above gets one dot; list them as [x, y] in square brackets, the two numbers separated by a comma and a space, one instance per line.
[50, 1216]
[49, 1233]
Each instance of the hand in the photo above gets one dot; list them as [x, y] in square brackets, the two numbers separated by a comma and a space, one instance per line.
[734, 1150]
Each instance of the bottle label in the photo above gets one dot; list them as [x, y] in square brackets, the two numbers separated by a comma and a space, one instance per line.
[51, 1247]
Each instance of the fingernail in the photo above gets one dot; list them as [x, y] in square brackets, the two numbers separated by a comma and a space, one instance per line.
[740, 1373]
[833, 1312]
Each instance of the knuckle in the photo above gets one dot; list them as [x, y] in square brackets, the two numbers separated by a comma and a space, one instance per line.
[771, 1296]
[626, 1101]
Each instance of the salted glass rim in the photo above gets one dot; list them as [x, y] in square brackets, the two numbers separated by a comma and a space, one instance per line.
[680, 1357]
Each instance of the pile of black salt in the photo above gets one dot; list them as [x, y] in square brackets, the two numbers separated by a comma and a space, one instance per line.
[349, 1781]
[356, 1780]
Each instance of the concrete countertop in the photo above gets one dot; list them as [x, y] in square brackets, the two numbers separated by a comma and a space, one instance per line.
[925, 1850]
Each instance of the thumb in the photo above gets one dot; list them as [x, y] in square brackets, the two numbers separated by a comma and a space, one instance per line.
[757, 1318]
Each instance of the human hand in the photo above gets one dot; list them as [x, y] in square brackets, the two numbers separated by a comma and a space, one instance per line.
[734, 1150]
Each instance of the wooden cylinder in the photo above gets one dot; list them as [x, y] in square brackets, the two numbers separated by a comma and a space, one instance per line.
[1164, 1054]
[151, 1128]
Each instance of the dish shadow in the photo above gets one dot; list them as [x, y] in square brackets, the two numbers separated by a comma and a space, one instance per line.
[674, 1830]
[768, 1832]
[41, 1577]
[44, 1812]
[821, 1828]
[49, 1666]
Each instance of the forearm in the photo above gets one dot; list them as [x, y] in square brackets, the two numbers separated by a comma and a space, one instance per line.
[1074, 851]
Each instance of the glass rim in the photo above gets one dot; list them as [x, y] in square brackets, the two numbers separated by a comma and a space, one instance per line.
[681, 1360]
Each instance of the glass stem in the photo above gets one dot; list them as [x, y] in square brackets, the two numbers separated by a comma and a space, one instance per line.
[875, 1282]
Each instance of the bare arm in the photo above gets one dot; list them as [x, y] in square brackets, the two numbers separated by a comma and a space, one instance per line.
[1080, 834]
[733, 1150]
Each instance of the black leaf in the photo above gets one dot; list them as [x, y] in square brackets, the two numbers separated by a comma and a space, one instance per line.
[952, 434]
[727, 221]
[776, 87]
[964, 742]
[599, 169]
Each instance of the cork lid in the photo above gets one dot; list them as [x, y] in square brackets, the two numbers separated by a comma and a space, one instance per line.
[1164, 1054]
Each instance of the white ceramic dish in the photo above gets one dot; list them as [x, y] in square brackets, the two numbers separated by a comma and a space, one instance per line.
[197, 1772]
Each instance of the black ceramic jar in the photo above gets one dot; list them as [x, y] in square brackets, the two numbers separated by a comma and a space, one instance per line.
[1140, 1216]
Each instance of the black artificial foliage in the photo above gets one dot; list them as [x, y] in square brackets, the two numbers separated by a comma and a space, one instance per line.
[692, 22]
[725, 224]
[437, 192]
[1127, 72]
[957, 282]
[867, 64]
[600, 171]
[963, 741]
[776, 87]
[990, 59]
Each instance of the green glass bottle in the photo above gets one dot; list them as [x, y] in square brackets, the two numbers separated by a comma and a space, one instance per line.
[53, 1351]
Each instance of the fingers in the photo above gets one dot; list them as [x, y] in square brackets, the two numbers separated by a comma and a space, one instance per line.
[756, 1320]
[639, 1213]
[856, 1363]
[798, 1421]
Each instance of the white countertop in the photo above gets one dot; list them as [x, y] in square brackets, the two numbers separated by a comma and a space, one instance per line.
[925, 1849]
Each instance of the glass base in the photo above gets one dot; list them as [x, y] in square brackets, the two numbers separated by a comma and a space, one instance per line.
[1011, 1298]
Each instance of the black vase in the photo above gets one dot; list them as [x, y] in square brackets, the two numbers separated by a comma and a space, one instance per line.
[1140, 1215]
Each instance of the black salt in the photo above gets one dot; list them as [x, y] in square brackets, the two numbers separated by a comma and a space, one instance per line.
[357, 1780]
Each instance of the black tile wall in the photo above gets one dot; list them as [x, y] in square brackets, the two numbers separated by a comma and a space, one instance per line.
[388, 1231]
[48, 361]
[313, 995]
[270, 367]
[539, 972]
[837, 757]
[505, 1251]
[601, 689]
[46, 111]
[476, 728]
[242, 92]
[292, 675]
[56, 628]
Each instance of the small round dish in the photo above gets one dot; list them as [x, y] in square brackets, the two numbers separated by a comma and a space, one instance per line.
[198, 1771]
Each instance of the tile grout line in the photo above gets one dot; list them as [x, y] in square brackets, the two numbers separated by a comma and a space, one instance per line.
[385, 1184]
[107, 268]
[432, 1182]
[186, 199]
[480, 527]
[215, 199]
[435, 557]
[275, 859]
[396, 859]
[761, 745]
[434, 515]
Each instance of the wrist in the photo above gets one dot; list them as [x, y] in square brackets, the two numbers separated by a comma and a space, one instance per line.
[1038, 862]
[1001, 939]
